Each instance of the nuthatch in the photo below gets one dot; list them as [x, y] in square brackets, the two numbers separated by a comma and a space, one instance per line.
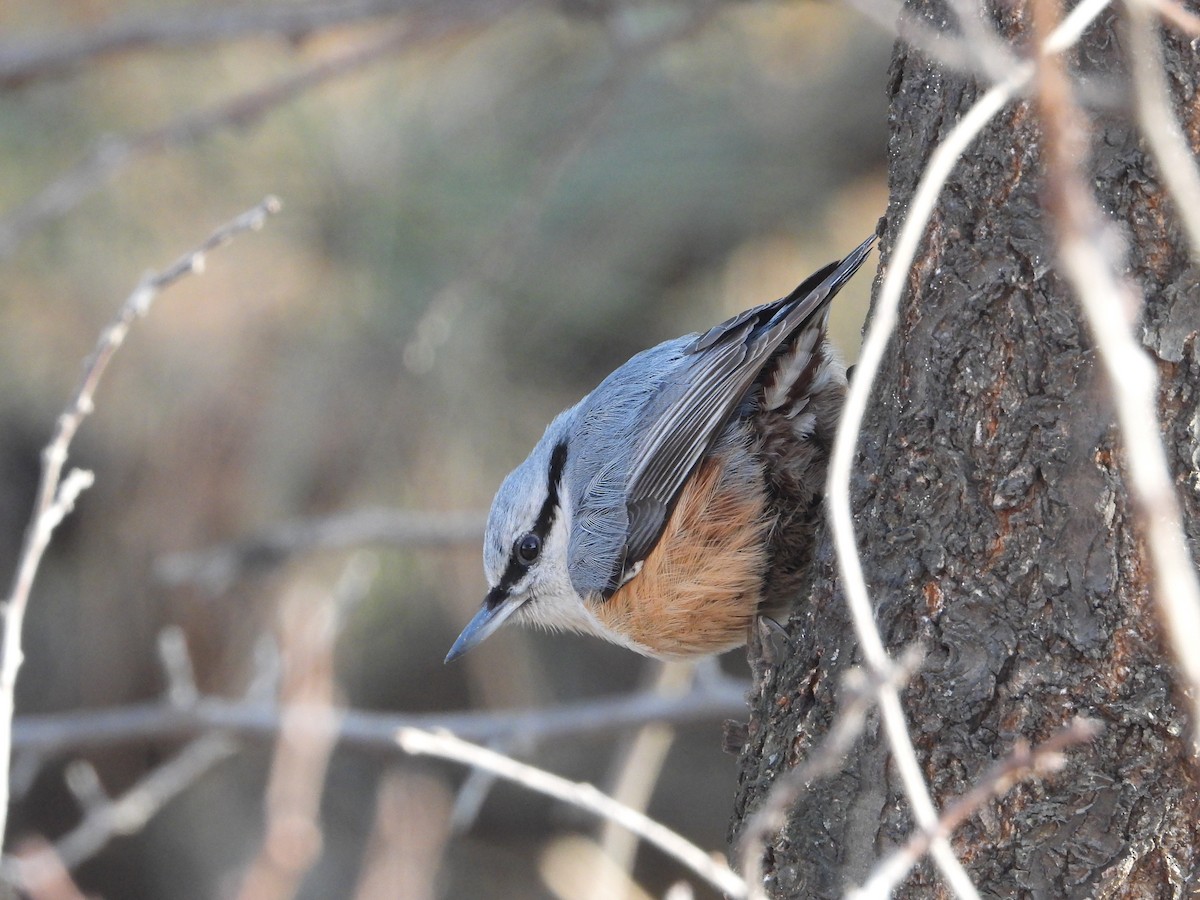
[679, 499]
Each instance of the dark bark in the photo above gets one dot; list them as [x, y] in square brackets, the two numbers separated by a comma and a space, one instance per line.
[996, 530]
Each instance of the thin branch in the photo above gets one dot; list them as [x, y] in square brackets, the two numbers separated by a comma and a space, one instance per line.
[177, 667]
[571, 865]
[55, 495]
[308, 730]
[941, 163]
[28, 58]
[83, 783]
[106, 819]
[955, 52]
[582, 796]
[1173, 157]
[56, 882]
[1023, 762]
[215, 568]
[859, 696]
[982, 38]
[475, 788]
[1087, 246]
[408, 838]
[1174, 12]
[113, 155]
[638, 771]
[56, 733]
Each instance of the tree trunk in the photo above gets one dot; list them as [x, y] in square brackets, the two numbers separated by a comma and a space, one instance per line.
[995, 527]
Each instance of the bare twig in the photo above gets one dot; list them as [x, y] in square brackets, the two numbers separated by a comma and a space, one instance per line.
[412, 826]
[83, 782]
[56, 882]
[112, 155]
[1173, 157]
[1024, 761]
[55, 733]
[105, 819]
[859, 696]
[883, 323]
[296, 774]
[582, 796]
[571, 865]
[177, 666]
[1087, 246]
[26, 59]
[990, 59]
[55, 495]
[215, 568]
[474, 790]
[680, 890]
[638, 772]
[983, 40]
[308, 731]
[1175, 13]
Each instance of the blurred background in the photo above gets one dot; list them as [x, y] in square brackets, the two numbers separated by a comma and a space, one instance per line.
[484, 214]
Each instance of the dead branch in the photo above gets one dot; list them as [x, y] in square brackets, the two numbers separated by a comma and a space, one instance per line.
[860, 696]
[26, 59]
[582, 796]
[1177, 15]
[56, 495]
[113, 154]
[56, 733]
[977, 50]
[215, 568]
[638, 770]
[412, 827]
[1023, 762]
[1152, 100]
[308, 730]
[56, 883]
[105, 819]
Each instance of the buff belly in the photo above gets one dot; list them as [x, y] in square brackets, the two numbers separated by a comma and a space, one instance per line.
[701, 586]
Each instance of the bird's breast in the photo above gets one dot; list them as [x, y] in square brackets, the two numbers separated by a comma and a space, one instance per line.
[700, 587]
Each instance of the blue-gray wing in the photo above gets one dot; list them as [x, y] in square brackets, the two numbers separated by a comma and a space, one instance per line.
[687, 415]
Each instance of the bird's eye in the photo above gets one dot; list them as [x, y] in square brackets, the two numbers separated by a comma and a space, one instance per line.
[528, 548]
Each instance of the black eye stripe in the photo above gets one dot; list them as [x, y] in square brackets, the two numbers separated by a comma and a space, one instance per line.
[545, 519]
[516, 569]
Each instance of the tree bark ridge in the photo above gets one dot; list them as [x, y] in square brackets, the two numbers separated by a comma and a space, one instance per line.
[995, 528]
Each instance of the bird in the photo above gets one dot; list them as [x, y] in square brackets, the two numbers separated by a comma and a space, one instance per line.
[679, 500]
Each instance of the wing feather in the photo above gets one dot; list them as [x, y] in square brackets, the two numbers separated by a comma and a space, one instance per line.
[689, 413]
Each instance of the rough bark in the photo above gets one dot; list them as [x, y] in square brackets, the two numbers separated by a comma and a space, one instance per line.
[996, 530]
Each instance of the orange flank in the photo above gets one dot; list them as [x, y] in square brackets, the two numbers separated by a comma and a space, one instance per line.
[699, 589]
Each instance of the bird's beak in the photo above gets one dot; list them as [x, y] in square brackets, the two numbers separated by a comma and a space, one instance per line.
[486, 621]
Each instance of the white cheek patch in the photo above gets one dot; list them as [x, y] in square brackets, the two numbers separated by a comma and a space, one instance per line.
[554, 604]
